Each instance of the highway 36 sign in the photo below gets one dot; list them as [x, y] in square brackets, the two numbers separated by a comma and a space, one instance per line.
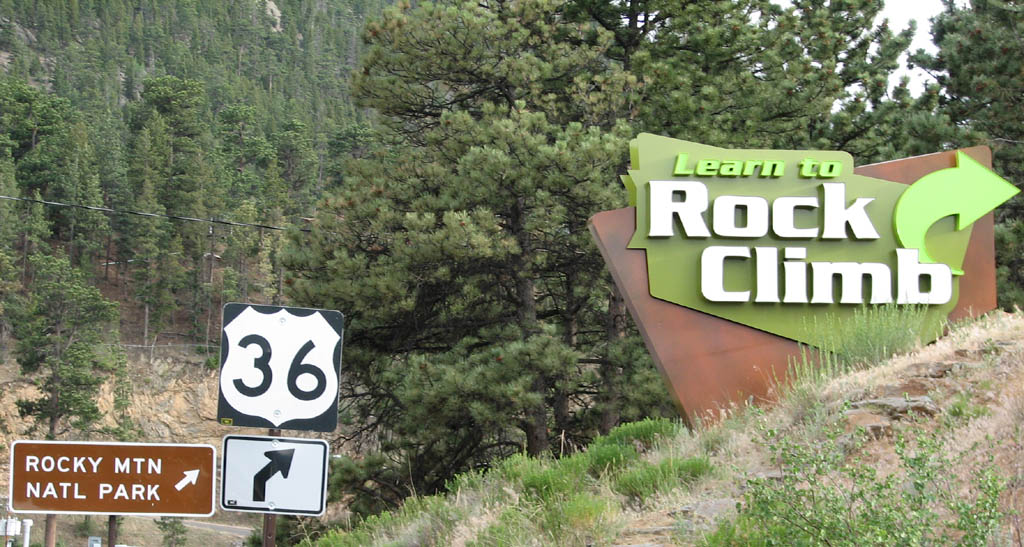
[274, 475]
[112, 478]
[279, 367]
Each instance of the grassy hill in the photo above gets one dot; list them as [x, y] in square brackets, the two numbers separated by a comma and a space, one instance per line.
[922, 448]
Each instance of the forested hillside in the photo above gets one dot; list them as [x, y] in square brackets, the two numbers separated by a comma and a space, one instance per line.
[427, 169]
[230, 111]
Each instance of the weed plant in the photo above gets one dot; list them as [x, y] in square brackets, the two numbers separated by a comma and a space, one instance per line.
[420, 521]
[646, 432]
[963, 410]
[567, 501]
[826, 498]
[872, 334]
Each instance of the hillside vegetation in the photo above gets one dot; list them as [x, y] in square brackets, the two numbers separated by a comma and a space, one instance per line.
[428, 169]
[922, 448]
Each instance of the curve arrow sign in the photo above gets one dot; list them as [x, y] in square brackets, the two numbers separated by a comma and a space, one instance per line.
[969, 191]
[280, 461]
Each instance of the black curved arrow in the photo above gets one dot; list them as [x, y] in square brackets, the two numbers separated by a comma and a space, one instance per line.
[280, 460]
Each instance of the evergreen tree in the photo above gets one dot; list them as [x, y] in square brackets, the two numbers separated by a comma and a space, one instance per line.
[752, 74]
[63, 169]
[153, 246]
[8, 237]
[461, 256]
[175, 534]
[59, 326]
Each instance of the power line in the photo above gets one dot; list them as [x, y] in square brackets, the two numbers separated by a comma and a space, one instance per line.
[154, 215]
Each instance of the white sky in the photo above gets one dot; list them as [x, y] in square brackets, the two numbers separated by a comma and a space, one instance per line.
[899, 13]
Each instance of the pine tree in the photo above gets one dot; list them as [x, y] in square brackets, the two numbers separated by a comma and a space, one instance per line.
[59, 326]
[461, 256]
[752, 74]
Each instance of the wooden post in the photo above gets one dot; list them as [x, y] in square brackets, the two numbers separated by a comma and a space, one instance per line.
[112, 530]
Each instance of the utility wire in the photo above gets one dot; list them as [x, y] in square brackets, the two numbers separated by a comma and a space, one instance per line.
[154, 215]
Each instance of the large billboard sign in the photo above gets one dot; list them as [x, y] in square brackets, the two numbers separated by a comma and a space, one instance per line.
[725, 242]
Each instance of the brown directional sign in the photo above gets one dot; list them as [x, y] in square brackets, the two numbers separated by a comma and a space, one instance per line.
[712, 364]
[112, 478]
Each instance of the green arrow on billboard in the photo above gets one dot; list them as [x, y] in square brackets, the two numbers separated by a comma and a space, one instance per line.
[943, 193]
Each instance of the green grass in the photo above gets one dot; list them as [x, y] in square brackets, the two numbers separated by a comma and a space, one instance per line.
[871, 335]
[420, 521]
[964, 410]
[829, 491]
[826, 498]
[646, 479]
[647, 432]
[567, 501]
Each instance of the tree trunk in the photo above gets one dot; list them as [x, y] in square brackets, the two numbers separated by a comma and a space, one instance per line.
[24, 258]
[209, 296]
[536, 429]
[536, 419]
[615, 331]
[560, 398]
[537, 442]
[50, 537]
[145, 324]
[106, 263]
[280, 285]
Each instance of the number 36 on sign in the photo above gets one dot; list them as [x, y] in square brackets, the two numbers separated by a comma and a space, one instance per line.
[279, 367]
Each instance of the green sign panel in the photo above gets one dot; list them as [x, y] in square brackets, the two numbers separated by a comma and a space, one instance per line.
[766, 237]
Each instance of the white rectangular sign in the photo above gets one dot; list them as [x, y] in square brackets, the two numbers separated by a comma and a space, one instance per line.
[274, 475]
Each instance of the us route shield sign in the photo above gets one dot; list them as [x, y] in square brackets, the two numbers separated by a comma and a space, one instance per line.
[279, 367]
[112, 478]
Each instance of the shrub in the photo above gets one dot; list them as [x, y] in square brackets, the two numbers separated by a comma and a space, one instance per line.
[607, 457]
[823, 500]
[872, 334]
[543, 479]
[962, 409]
[426, 520]
[510, 528]
[579, 520]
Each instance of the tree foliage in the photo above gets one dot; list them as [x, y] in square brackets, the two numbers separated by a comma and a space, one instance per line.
[460, 251]
[446, 183]
[59, 326]
[481, 321]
